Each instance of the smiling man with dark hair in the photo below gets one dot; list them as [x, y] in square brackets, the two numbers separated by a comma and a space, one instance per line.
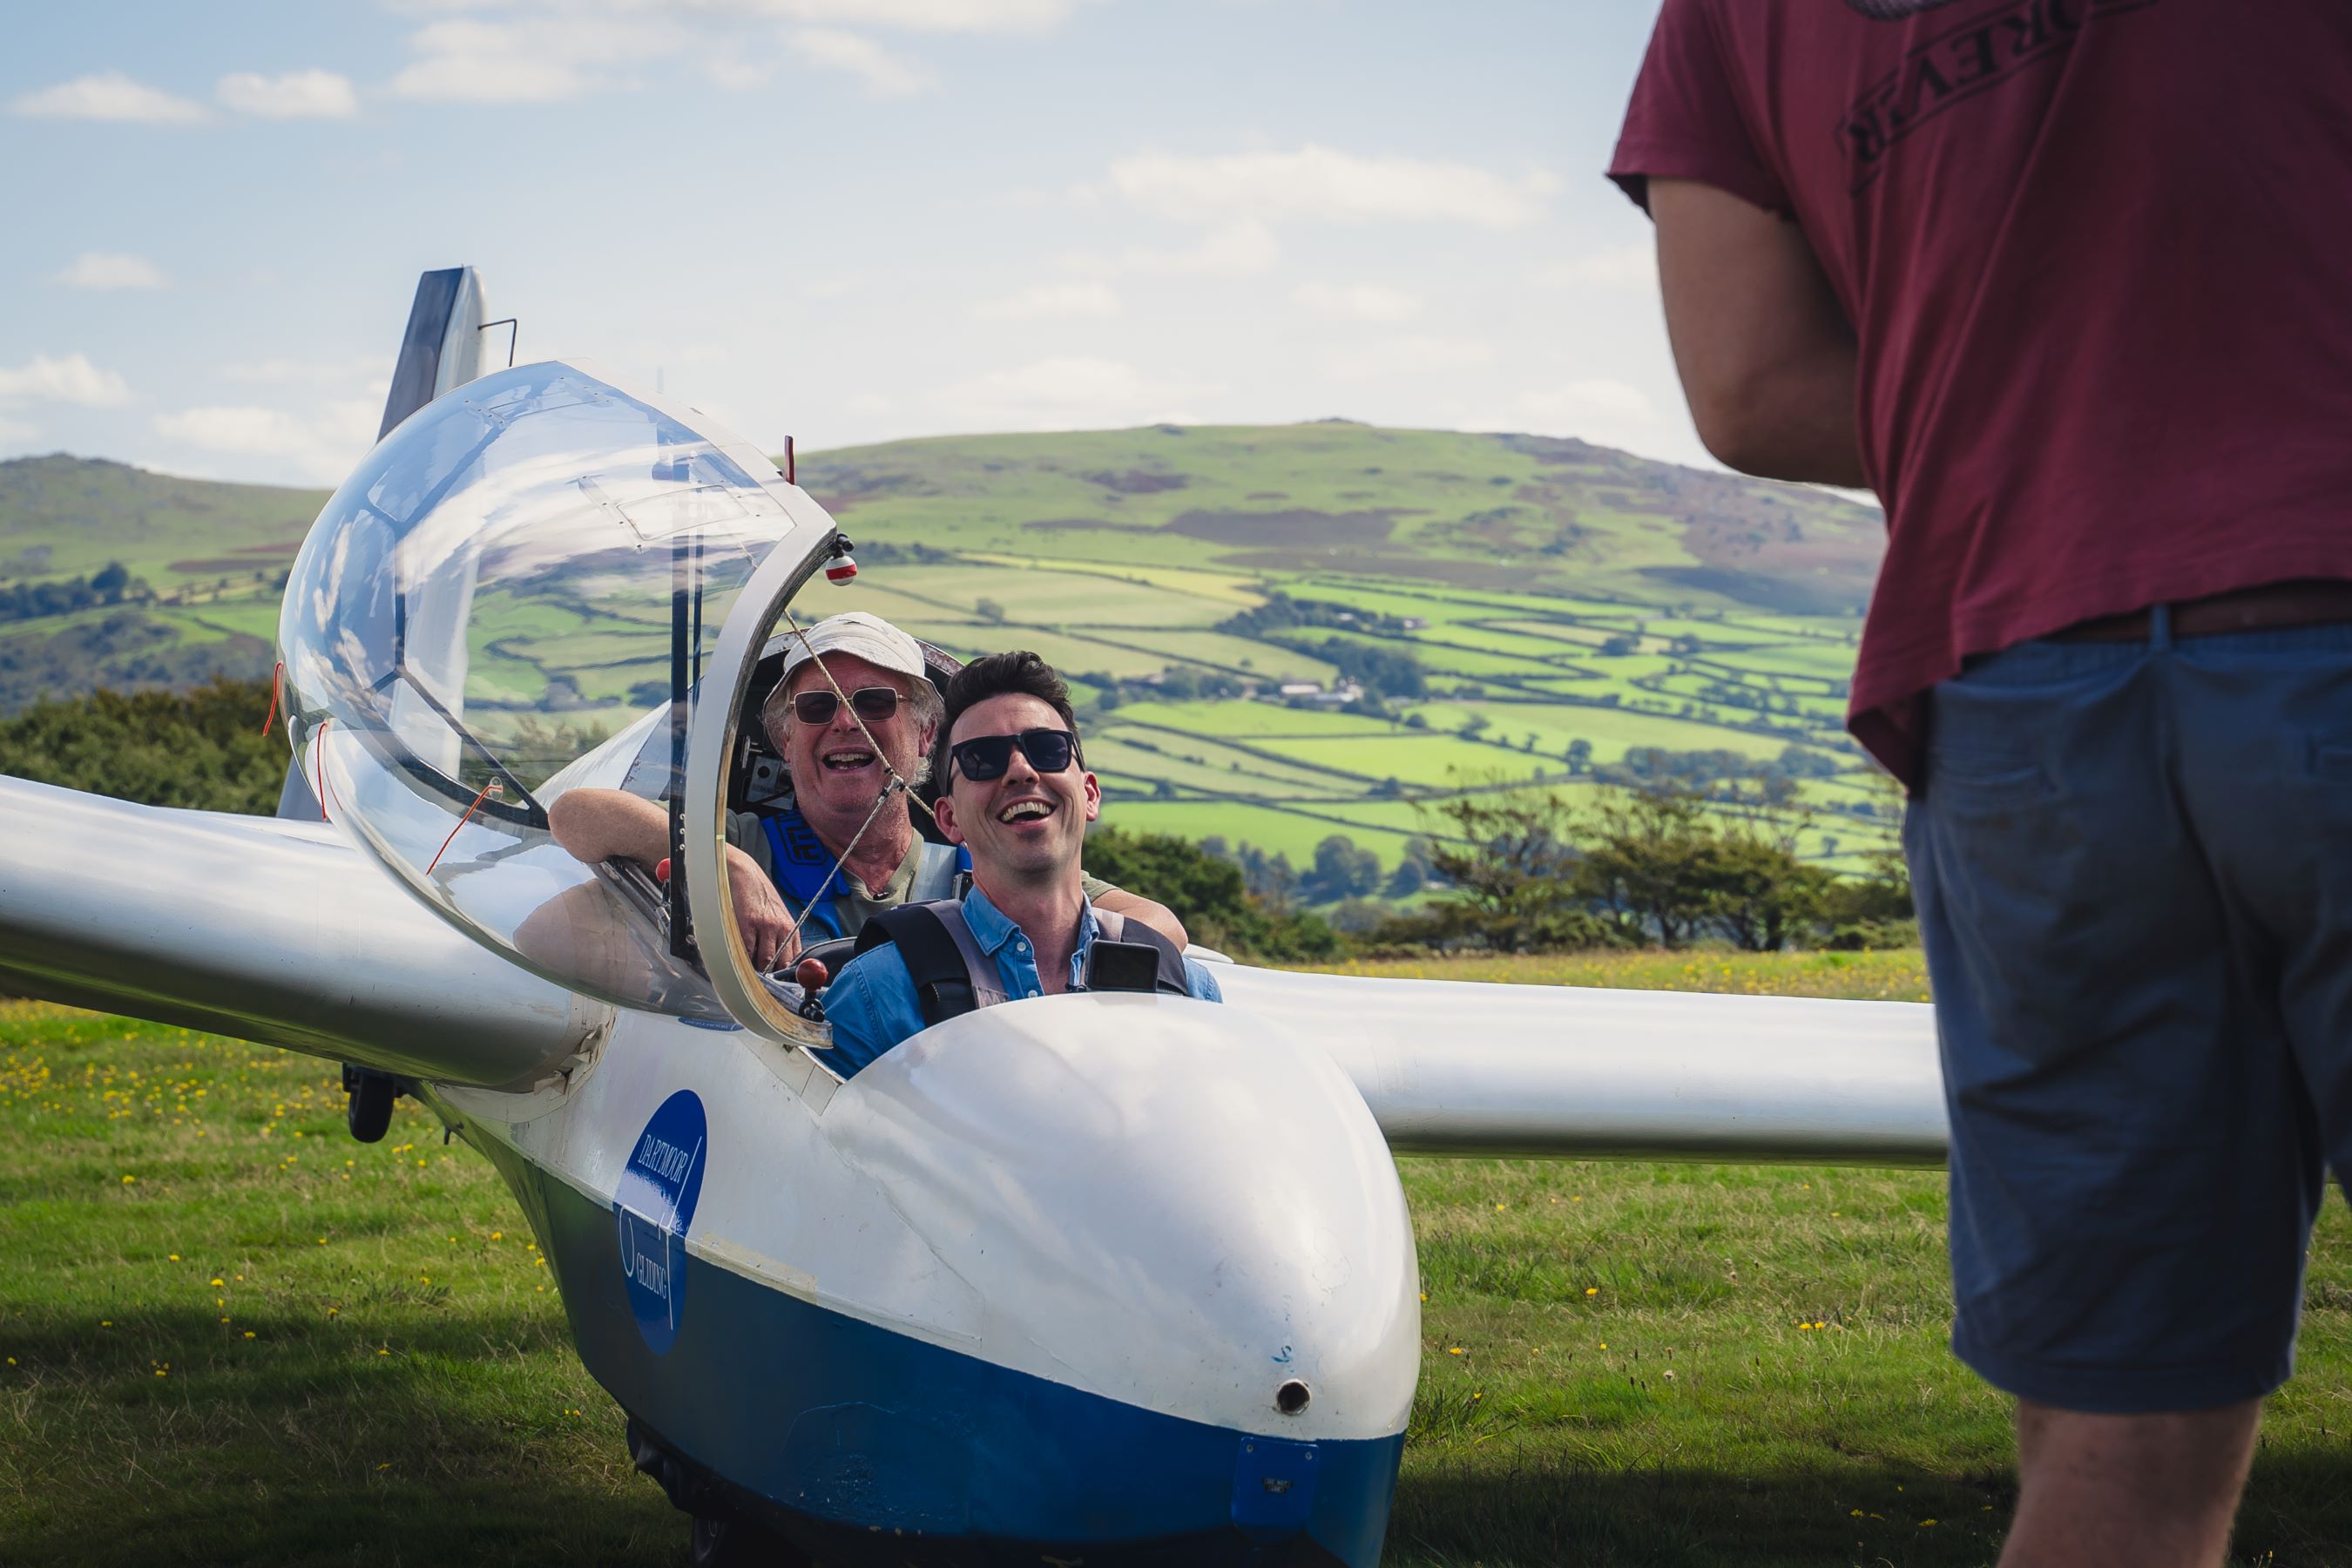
[1015, 792]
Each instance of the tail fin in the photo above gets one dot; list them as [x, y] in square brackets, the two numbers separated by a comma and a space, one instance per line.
[443, 345]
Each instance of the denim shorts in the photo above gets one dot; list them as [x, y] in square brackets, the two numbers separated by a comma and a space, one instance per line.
[2134, 868]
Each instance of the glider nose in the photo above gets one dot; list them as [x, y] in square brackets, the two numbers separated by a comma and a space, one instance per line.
[1178, 1208]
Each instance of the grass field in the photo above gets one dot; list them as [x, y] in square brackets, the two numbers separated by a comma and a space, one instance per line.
[231, 1334]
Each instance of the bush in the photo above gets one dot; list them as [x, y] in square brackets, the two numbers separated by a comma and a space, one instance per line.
[1207, 896]
[205, 748]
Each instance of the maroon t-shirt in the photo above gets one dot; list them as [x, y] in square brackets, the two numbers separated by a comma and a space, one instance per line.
[2098, 254]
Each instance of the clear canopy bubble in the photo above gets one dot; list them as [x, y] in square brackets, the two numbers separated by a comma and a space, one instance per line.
[515, 593]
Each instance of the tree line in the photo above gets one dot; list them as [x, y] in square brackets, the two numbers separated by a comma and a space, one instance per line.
[1535, 871]
[1518, 871]
[110, 584]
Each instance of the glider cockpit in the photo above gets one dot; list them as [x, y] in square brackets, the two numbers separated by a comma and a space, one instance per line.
[540, 582]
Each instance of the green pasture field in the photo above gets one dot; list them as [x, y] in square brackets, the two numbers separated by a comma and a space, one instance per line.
[1246, 657]
[81, 515]
[1075, 652]
[271, 1345]
[1826, 661]
[1045, 597]
[1426, 757]
[1611, 730]
[1231, 591]
[1380, 826]
[253, 617]
[1250, 721]
[1141, 756]
[1128, 772]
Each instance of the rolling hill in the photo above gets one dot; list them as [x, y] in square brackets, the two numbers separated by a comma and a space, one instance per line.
[1447, 610]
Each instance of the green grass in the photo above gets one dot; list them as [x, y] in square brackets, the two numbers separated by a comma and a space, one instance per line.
[1616, 1366]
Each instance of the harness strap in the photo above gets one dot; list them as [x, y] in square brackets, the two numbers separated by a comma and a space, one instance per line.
[1170, 978]
[951, 976]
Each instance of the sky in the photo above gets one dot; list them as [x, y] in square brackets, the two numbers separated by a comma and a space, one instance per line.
[842, 221]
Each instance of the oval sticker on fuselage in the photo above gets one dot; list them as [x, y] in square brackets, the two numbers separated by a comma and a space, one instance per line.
[653, 1208]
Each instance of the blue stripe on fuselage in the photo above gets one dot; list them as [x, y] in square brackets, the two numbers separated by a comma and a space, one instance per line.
[843, 1424]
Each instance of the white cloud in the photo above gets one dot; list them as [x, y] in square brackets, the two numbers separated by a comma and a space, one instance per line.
[1047, 299]
[535, 59]
[17, 429]
[1067, 391]
[1322, 183]
[321, 445]
[1598, 408]
[929, 15]
[108, 95]
[360, 368]
[1358, 301]
[72, 379]
[297, 95]
[1235, 251]
[1627, 266]
[869, 403]
[738, 75]
[884, 74]
[112, 270]
[1413, 356]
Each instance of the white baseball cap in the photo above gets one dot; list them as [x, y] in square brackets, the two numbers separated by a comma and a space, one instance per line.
[858, 632]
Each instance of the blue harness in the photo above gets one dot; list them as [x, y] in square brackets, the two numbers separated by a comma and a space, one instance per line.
[806, 873]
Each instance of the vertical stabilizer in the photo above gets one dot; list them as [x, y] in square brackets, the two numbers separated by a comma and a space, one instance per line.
[442, 347]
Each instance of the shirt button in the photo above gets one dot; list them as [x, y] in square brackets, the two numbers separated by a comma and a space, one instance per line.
[1033, 990]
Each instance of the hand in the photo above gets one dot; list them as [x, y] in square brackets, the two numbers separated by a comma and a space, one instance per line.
[761, 915]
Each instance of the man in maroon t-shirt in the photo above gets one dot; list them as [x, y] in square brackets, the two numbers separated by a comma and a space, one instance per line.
[2069, 284]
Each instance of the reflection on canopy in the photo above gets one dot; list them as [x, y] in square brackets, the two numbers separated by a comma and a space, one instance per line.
[515, 593]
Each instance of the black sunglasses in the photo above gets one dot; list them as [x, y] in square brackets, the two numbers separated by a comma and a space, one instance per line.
[985, 757]
[870, 703]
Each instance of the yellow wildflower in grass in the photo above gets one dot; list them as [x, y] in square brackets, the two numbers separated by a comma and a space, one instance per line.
[1592, 1289]
[248, 1333]
[1453, 1350]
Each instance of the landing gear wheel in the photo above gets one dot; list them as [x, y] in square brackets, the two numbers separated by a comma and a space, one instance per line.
[732, 1544]
[369, 1114]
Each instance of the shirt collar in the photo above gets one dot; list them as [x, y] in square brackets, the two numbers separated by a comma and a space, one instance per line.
[992, 928]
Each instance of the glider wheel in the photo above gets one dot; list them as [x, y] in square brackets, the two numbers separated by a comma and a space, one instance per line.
[368, 1113]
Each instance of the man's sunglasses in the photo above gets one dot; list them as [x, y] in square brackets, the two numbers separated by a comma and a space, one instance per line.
[873, 703]
[985, 757]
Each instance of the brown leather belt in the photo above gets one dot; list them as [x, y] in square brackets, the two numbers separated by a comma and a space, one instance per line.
[2272, 606]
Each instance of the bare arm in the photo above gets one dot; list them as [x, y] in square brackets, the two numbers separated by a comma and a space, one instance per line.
[596, 825]
[1764, 349]
[1158, 916]
[599, 825]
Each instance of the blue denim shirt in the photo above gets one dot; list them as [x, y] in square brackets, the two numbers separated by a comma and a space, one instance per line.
[872, 1004]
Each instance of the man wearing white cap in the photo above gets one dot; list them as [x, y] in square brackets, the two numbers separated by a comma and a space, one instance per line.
[811, 863]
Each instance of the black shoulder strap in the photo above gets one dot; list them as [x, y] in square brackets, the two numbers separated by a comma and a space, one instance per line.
[942, 983]
[1170, 978]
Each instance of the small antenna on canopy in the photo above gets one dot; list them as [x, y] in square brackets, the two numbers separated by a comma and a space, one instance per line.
[514, 330]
